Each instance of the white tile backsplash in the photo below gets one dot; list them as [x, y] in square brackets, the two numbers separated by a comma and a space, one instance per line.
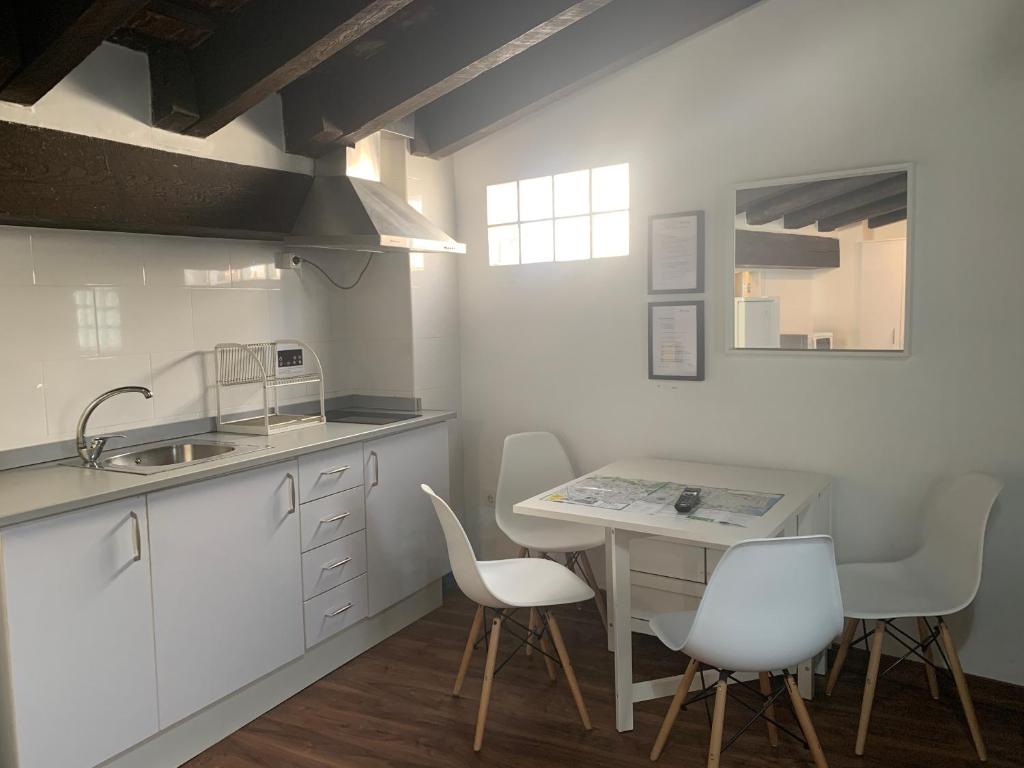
[69, 385]
[70, 257]
[47, 322]
[131, 320]
[16, 256]
[183, 385]
[187, 262]
[24, 419]
[223, 314]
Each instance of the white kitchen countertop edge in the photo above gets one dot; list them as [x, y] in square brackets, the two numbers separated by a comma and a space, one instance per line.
[42, 490]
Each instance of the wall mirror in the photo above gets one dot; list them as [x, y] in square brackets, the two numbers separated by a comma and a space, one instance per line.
[822, 263]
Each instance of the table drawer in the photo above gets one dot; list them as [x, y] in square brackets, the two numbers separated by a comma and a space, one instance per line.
[332, 564]
[335, 610]
[332, 517]
[665, 557]
[648, 602]
[327, 472]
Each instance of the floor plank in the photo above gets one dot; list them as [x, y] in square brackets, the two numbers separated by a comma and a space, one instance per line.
[392, 708]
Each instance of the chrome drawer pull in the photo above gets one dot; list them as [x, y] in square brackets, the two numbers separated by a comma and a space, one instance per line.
[338, 564]
[332, 614]
[136, 538]
[335, 518]
[294, 498]
[337, 471]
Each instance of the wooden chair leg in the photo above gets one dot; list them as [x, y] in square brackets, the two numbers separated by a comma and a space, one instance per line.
[925, 633]
[718, 724]
[467, 655]
[570, 675]
[806, 725]
[673, 709]
[545, 645]
[869, 686]
[766, 690]
[485, 695]
[588, 573]
[534, 622]
[844, 646]
[962, 690]
[523, 552]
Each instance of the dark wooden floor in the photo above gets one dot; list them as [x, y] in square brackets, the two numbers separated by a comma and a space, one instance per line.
[392, 707]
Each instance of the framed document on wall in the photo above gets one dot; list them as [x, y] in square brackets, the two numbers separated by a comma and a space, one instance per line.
[675, 340]
[675, 253]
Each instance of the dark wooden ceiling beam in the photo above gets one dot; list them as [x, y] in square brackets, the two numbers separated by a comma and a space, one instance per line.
[613, 37]
[10, 50]
[874, 222]
[418, 55]
[875, 208]
[834, 206]
[263, 47]
[798, 197]
[55, 37]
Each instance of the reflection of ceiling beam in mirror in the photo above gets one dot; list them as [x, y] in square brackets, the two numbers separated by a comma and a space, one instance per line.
[758, 249]
[887, 218]
[801, 196]
[837, 205]
[876, 208]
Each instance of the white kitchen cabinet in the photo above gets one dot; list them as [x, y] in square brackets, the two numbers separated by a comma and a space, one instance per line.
[404, 543]
[79, 652]
[227, 585]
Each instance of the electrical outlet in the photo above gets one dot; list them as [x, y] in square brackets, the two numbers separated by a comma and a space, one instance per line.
[489, 498]
[285, 260]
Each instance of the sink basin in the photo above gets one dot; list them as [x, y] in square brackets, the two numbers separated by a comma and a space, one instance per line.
[168, 455]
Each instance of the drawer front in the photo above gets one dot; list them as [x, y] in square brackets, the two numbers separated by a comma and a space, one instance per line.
[712, 559]
[327, 472]
[332, 564]
[332, 517]
[648, 602]
[665, 557]
[334, 610]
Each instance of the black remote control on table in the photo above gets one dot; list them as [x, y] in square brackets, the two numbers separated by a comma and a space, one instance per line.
[688, 500]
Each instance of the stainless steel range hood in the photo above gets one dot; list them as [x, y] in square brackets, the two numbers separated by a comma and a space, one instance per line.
[353, 214]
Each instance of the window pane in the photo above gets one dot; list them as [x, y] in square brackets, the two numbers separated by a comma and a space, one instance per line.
[537, 242]
[611, 234]
[502, 203]
[610, 188]
[535, 199]
[503, 244]
[572, 239]
[572, 193]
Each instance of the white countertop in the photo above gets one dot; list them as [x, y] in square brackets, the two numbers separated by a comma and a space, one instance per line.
[41, 490]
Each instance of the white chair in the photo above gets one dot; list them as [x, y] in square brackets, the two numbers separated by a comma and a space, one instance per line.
[505, 586]
[533, 462]
[769, 605]
[940, 578]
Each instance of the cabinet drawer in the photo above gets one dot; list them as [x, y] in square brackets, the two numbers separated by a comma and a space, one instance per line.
[648, 602]
[332, 517]
[334, 610]
[665, 557]
[332, 564]
[327, 472]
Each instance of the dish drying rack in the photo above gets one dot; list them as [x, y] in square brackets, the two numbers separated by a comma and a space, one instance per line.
[259, 365]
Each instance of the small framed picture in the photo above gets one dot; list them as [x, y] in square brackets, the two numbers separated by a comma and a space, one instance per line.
[675, 253]
[675, 340]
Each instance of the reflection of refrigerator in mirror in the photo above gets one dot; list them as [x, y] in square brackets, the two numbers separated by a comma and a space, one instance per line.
[757, 323]
[882, 293]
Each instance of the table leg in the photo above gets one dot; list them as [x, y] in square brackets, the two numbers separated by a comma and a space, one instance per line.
[609, 592]
[618, 543]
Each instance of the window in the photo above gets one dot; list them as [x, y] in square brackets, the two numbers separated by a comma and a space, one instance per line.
[565, 217]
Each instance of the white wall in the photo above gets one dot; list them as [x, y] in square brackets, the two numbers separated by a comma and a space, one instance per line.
[790, 87]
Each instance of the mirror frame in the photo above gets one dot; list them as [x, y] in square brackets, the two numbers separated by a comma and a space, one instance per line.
[730, 314]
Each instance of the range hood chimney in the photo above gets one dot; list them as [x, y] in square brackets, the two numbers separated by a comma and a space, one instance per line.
[344, 212]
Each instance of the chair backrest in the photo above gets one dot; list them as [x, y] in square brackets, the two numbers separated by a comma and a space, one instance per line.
[956, 515]
[531, 462]
[460, 552]
[769, 605]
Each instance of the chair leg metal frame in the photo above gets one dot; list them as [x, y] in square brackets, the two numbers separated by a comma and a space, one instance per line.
[930, 637]
[764, 709]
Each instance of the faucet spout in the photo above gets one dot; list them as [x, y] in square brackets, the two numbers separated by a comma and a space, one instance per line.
[90, 452]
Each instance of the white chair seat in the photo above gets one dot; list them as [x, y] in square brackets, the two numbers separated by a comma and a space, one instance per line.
[532, 583]
[558, 537]
[893, 590]
[673, 628]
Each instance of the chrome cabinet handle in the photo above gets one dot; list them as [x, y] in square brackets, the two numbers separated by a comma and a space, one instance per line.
[376, 469]
[338, 564]
[136, 537]
[337, 471]
[291, 479]
[335, 518]
[332, 614]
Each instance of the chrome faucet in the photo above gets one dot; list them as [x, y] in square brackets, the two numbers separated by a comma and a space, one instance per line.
[91, 453]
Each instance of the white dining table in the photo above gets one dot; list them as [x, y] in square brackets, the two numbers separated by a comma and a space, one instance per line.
[805, 508]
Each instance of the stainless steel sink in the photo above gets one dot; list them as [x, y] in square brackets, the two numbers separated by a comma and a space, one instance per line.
[146, 460]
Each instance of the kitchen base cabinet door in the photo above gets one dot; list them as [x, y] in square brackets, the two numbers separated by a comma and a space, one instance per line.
[405, 547]
[227, 585]
[80, 635]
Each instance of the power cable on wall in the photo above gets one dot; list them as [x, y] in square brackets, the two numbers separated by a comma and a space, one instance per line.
[301, 260]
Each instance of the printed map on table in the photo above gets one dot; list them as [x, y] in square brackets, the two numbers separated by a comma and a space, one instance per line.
[654, 497]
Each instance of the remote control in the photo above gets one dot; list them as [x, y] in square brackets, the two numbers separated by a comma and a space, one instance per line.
[688, 500]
